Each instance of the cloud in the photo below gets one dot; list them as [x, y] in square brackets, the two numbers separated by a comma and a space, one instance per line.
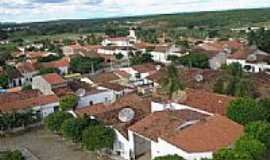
[42, 10]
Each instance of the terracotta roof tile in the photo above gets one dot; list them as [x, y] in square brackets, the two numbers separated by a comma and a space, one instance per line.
[53, 78]
[105, 78]
[207, 101]
[56, 64]
[109, 113]
[26, 67]
[164, 122]
[27, 103]
[214, 133]
[202, 134]
[145, 68]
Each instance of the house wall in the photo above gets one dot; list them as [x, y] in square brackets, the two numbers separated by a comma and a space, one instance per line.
[102, 97]
[42, 85]
[28, 77]
[106, 42]
[46, 109]
[157, 106]
[122, 145]
[255, 67]
[63, 70]
[159, 57]
[163, 148]
[217, 61]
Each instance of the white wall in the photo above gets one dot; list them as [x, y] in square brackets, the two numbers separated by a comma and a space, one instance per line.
[163, 148]
[96, 98]
[158, 106]
[125, 145]
[46, 109]
[42, 85]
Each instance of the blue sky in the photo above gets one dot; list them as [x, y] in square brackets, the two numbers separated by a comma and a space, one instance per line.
[43, 10]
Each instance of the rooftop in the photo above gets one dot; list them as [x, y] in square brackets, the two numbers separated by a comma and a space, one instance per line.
[212, 134]
[105, 78]
[189, 130]
[145, 68]
[20, 104]
[53, 78]
[207, 101]
[164, 122]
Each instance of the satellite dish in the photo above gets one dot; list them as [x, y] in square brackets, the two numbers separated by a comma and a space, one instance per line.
[198, 77]
[126, 115]
[252, 57]
[80, 92]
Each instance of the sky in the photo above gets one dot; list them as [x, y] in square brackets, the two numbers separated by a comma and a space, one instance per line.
[44, 10]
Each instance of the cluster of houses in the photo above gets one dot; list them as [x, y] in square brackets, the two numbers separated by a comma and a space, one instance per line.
[192, 124]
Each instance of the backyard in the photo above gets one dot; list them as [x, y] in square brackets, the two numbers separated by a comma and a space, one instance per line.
[46, 146]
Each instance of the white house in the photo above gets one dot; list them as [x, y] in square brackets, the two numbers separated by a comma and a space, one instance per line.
[89, 95]
[139, 73]
[121, 41]
[189, 134]
[62, 65]
[161, 53]
[252, 60]
[28, 71]
[25, 100]
[116, 41]
[120, 115]
[46, 83]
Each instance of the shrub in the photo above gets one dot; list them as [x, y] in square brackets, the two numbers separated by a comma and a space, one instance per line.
[55, 120]
[98, 137]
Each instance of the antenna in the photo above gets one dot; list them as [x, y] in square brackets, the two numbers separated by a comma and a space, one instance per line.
[126, 115]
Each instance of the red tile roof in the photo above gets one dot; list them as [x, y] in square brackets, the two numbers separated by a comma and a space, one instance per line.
[164, 122]
[26, 67]
[145, 68]
[207, 101]
[214, 133]
[113, 86]
[105, 78]
[109, 113]
[64, 62]
[27, 103]
[53, 78]
[203, 134]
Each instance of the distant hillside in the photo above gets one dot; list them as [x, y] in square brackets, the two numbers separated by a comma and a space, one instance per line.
[220, 19]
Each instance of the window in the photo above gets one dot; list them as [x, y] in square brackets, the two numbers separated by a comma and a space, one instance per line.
[91, 103]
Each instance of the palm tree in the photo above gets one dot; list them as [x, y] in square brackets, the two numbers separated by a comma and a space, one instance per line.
[171, 82]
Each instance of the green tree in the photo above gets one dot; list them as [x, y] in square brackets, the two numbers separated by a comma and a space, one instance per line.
[119, 56]
[72, 128]
[265, 103]
[225, 154]
[98, 137]
[12, 155]
[197, 60]
[231, 154]
[55, 120]
[68, 102]
[49, 58]
[259, 130]
[171, 82]
[245, 110]
[85, 64]
[170, 157]
[235, 82]
[141, 58]
[251, 147]
[4, 81]
[43, 71]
